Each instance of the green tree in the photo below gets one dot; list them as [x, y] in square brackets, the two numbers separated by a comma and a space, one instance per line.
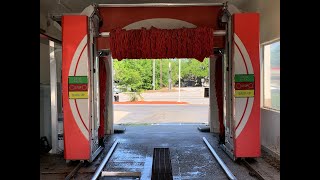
[127, 75]
[137, 74]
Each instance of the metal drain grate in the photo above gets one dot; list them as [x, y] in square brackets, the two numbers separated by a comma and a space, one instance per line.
[161, 166]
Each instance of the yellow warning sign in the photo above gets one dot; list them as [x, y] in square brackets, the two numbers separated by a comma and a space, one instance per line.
[78, 94]
[244, 93]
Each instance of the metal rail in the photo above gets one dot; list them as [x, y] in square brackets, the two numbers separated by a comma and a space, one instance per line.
[215, 33]
[74, 171]
[104, 161]
[121, 174]
[252, 170]
[222, 164]
[161, 5]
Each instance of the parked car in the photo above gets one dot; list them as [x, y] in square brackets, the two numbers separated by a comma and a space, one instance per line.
[116, 90]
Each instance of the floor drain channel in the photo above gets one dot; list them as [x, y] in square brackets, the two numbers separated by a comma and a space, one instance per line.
[161, 166]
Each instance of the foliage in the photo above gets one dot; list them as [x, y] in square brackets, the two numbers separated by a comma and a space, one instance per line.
[192, 68]
[134, 96]
[133, 74]
[137, 74]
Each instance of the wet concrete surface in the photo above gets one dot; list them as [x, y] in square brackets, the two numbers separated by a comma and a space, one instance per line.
[190, 157]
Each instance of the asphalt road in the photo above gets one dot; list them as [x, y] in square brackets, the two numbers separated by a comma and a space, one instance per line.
[137, 114]
[192, 95]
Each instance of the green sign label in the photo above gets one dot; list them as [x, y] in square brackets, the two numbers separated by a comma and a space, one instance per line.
[244, 78]
[78, 79]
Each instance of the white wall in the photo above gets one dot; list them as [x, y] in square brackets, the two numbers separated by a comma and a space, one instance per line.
[109, 98]
[45, 101]
[270, 130]
[58, 58]
[45, 111]
[44, 62]
[269, 17]
[213, 103]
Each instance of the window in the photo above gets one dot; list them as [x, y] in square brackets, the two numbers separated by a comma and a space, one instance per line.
[271, 75]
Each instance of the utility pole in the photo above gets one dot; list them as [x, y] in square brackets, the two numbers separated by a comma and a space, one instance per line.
[169, 80]
[179, 77]
[160, 73]
[154, 75]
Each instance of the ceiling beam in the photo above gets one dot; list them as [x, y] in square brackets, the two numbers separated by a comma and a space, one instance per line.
[160, 5]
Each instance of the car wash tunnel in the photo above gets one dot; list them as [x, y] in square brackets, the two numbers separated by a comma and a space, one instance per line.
[79, 138]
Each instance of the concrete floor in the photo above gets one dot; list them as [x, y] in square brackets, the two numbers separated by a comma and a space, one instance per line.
[190, 157]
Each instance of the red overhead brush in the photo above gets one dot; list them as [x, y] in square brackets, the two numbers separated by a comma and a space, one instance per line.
[161, 43]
